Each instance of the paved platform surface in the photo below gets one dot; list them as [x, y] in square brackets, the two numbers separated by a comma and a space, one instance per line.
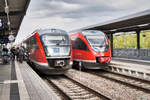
[137, 61]
[19, 82]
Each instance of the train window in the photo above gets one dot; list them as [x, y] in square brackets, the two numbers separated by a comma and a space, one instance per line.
[28, 44]
[34, 43]
[96, 40]
[98, 43]
[55, 39]
[79, 44]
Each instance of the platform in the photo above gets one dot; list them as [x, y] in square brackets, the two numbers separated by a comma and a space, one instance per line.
[131, 67]
[137, 61]
[19, 82]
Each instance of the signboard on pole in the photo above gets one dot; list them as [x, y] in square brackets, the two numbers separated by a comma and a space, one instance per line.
[11, 37]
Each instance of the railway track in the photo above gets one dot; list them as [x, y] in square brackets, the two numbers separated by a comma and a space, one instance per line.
[133, 82]
[73, 90]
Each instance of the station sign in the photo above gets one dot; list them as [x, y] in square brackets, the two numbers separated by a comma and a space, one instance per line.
[1, 24]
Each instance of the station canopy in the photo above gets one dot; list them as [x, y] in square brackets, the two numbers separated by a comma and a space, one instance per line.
[12, 13]
[134, 22]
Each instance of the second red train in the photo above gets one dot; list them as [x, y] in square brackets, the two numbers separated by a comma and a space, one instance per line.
[90, 49]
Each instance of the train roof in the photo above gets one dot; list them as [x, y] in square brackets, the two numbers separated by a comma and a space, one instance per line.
[51, 31]
[92, 32]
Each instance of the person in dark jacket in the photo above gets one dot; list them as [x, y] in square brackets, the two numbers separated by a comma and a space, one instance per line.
[17, 53]
[21, 53]
[13, 53]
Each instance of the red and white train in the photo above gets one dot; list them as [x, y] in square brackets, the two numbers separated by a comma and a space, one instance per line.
[90, 49]
[50, 50]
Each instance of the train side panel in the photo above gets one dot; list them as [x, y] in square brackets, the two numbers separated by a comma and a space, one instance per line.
[37, 54]
[81, 50]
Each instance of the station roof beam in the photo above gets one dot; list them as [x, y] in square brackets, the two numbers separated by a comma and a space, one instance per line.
[16, 12]
[134, 22]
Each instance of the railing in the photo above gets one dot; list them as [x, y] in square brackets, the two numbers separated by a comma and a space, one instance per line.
[143, 54]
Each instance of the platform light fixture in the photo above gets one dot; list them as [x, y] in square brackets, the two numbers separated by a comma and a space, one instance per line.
[8, 23]
[113, 30]
[142, 25]
[6, 9]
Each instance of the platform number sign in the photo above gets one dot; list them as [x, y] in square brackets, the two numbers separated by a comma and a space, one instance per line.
[1, 24]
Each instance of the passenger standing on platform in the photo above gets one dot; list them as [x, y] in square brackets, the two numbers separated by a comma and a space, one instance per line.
[26, 54]
[21, 54]
[5, 55]
[13, 53]
[17, 53]
[5, 50]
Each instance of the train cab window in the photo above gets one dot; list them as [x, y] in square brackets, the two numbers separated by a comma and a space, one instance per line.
[79, 44]
[99, 43]
[96, 40]
[55, 40]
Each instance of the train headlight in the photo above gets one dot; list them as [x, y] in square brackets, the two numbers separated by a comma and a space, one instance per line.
[96, 49]
[70, 63]
[48, 54]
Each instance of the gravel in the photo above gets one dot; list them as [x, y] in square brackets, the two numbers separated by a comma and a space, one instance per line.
[74, 91]
[112, 89]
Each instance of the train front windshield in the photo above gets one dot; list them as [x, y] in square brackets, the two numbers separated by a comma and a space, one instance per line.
[98, 42]
[56, 45]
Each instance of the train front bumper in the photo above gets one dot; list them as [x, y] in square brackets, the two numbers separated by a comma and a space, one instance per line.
[89, 65]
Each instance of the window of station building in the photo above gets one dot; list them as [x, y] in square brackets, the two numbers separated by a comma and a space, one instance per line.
[125, 40]
[79, 44]
[145, 39]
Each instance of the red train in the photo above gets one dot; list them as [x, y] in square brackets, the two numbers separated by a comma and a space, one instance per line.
[90, 49]
[50, 50]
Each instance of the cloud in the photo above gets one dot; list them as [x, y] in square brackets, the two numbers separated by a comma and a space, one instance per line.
[83, 8]
[54, 8]
[61, 5]
[75, 14]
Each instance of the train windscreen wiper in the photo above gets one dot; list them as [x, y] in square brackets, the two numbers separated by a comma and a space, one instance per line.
[101, 46]
[58, 43]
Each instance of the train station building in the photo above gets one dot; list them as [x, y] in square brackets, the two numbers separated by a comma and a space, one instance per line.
[129, 38]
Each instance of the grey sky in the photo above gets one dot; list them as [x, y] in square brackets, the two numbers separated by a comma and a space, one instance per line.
[74, 14]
